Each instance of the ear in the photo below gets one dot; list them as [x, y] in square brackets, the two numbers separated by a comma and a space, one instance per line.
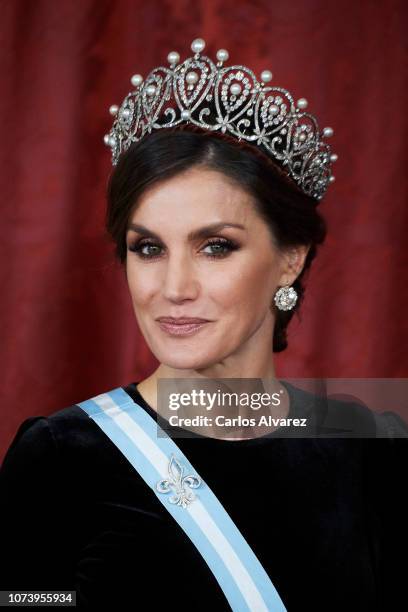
[293, 260]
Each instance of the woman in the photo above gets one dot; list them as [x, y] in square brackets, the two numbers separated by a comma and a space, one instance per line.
[209, 227]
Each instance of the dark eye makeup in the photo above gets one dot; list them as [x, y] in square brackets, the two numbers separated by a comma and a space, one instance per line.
[223, 247]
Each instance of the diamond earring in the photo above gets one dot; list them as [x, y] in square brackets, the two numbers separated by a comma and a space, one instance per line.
[285, 298]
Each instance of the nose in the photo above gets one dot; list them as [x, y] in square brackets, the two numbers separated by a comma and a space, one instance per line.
[180, 281]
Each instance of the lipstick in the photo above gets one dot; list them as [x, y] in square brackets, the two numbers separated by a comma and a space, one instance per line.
[182, 326]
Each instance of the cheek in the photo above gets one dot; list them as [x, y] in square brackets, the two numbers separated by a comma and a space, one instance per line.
[142, 284]
[245, 287]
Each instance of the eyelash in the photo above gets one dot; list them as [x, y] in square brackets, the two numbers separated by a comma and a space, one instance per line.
[231, 246]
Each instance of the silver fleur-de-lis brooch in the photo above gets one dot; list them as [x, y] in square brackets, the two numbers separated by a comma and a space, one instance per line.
[178, 483]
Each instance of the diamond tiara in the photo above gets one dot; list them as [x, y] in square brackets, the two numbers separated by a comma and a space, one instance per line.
[244, 108]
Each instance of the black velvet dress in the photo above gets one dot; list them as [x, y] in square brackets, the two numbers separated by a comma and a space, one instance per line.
[327, 518]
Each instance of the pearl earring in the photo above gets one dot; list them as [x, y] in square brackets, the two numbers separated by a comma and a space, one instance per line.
[285, 298]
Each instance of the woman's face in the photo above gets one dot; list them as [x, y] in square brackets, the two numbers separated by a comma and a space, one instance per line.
[179, 266]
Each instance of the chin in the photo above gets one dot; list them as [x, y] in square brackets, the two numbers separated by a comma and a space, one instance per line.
[191, 353]
[187, 359]
[186, 363]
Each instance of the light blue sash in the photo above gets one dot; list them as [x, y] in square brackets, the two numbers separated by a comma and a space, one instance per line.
[165, 468]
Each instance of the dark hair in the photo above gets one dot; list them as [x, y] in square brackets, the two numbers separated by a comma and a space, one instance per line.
[289, 212]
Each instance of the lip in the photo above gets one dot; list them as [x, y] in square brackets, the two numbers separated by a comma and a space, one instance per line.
[182, 329]
[181, 320]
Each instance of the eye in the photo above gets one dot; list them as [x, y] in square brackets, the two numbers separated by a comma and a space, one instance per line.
[139, 247]
[221, 247]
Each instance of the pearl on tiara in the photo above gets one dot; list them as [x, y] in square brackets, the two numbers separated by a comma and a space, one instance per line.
[173, 57]
[266, 76]
[222, 55]
[191, 77]
[198, 45]
[302, 103]
[136, 80]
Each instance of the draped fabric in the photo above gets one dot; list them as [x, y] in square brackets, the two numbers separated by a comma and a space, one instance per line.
[68, 328]
[325, 517]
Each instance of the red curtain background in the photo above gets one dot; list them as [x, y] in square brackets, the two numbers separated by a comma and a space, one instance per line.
[68, 329]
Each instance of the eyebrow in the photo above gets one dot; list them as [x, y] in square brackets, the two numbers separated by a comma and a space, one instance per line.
[202, 232]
